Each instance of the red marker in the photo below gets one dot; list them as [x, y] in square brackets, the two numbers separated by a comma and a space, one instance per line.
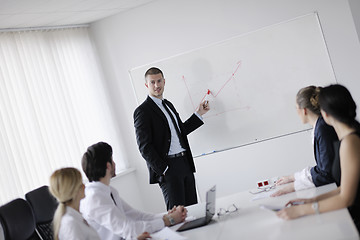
[207, 97]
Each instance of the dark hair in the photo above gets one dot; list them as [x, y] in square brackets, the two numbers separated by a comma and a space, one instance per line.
[308, 97]
[336, 100]
[94, 160]
[153, 71]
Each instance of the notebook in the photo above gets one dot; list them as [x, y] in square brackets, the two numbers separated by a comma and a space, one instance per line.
[209, 212]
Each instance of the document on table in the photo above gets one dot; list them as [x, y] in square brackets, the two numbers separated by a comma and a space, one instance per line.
[264, 194]
[271, 207]
[166, 234]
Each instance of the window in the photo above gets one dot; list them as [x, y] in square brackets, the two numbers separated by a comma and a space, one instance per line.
[53, 105]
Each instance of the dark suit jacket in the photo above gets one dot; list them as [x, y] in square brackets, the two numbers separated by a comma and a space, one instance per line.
[324, 138]
[153, 136]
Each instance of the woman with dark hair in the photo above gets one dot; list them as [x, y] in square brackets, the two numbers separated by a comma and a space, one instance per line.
[324, 136]
[339, 110]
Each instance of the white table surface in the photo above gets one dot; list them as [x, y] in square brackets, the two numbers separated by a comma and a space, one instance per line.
[252, 222]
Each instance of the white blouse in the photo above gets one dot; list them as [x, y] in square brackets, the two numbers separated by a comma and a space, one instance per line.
[74, 227]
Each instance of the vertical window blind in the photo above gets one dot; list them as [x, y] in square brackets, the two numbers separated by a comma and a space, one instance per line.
[53, 105]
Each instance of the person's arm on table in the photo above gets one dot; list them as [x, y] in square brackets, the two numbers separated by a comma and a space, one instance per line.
[342, 197]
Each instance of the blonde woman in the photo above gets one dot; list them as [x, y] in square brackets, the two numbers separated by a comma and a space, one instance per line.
[67, 187]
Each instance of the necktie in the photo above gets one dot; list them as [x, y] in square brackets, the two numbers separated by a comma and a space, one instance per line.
[86, 223]
[112, 197]
[175, 124]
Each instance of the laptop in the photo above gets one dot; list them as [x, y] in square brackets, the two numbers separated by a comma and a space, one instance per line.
[209, 212]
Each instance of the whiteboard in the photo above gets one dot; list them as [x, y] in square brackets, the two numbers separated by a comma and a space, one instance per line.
[253, 79]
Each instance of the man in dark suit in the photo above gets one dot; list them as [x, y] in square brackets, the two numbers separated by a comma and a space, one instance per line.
[162, 140]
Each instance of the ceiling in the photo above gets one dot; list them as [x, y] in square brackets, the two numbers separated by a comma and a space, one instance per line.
[46, 13]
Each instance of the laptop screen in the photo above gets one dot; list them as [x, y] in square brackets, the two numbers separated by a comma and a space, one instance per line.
[210, 203]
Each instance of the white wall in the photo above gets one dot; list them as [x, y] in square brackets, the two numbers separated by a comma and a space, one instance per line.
[165, 28]
[126, 183]
[355, 10]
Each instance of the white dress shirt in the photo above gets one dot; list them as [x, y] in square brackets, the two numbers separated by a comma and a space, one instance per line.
[175, 146]
[74, 227]
[115, 221]
[303, 178]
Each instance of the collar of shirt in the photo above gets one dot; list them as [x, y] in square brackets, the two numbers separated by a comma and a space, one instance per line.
[313, 131]
[75, 214]
[159, 103]
[157, 100]
[99, 185]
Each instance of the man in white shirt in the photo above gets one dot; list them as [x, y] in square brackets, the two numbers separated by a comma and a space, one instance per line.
[103, 208]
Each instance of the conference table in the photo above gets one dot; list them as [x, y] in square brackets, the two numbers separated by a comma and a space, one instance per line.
[253, 222]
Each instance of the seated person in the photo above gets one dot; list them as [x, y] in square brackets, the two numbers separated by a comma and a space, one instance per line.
[67, 187]
[103, 208]
[338, 110]
[324, 136]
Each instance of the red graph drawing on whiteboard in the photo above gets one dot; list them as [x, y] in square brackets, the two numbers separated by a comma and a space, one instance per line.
[212, 92]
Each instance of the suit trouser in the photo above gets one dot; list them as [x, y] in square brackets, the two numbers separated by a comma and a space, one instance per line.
[178, 184]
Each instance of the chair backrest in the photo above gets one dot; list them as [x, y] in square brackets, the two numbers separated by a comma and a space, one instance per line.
[17, 220]
[44, 206]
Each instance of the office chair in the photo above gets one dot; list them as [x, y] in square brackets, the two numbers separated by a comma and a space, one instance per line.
[44, 206]
[17, 220]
